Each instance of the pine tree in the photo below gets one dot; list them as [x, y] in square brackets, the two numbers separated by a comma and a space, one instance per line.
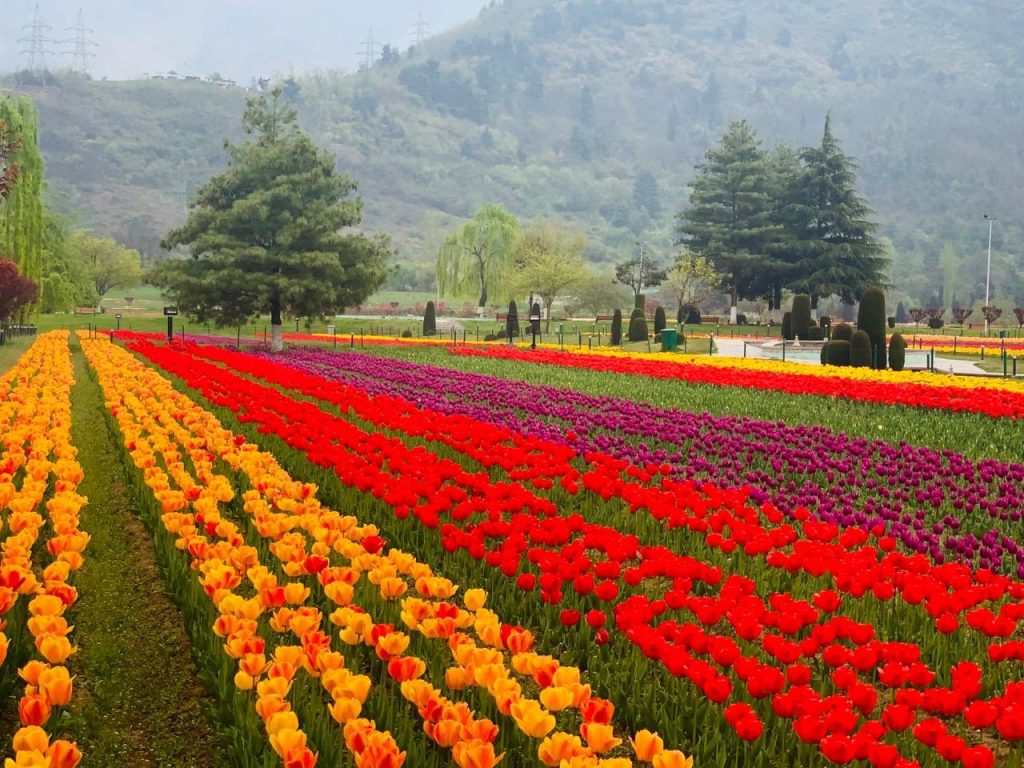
[267, 236]
[730, 220]
[833, 245]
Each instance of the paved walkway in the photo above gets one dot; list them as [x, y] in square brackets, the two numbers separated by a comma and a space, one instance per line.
[734, 348]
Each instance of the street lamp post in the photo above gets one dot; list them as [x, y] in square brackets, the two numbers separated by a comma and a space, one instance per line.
[988, 266]
[534, 321]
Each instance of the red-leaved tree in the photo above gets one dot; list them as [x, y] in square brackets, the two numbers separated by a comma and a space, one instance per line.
[16, 290]
[916, 314]
[960, 315]
[1019, 313]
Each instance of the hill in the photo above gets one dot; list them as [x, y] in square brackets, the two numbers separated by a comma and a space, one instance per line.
[597, 111]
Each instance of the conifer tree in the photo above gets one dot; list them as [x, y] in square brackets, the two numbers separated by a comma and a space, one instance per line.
[831, 239]
[730, 219]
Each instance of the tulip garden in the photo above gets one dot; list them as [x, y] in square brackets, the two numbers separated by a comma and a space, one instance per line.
[386, 559]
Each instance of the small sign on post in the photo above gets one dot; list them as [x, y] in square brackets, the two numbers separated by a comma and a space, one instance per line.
[170, 313]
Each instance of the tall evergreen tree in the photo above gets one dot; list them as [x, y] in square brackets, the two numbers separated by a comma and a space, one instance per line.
[730, 218]
[22, 211]
[267, 234]
[832, 242]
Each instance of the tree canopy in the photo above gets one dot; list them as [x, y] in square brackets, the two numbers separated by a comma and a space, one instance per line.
[104, 262]
[639, 273]
[21, 202]
[266, 235]
[549, 262]
[478, 257]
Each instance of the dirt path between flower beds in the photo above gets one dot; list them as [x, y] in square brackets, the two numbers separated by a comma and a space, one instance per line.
[138, 700]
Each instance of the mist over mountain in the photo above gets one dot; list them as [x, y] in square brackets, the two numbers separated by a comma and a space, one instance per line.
[239, 39]
[597, 111]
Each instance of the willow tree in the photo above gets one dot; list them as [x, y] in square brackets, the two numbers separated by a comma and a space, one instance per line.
[271, 233]
[479, 255]
[22, 212]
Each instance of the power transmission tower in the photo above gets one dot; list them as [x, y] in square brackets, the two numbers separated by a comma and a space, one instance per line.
[369, 51]
[37, 39]
[80, 53]
[419, 30]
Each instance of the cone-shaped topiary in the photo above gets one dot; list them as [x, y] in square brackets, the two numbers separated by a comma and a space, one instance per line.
[860, 350]
[430, 320]
[659, 320]
[842, 332]
[637, 326]
[512, 322]
[787, 326]
[617, 328]
[836, 352]
[871, 320]
[800, 321]
[897, 352]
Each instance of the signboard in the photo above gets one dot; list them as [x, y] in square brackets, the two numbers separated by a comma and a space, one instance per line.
[171, 311]
[117, 316]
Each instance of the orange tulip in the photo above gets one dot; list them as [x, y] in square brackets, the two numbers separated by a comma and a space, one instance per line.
[392, 587]
[475, 754]
[646, 745]
[346, 709]
[63, 754]
[556, 698]
[560, 746]
[287, 740]
[600, 737]
[402, 668]
[302, 758]
[446, 733]
[33, 709]
[532, 719]
[54, 648]
[268, 706]
[456, 678]
[672, 758]
[31, 738]
[480, 730]
[56, 684]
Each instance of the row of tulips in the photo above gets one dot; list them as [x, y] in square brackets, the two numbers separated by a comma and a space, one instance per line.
[39, 473]
[305, 537]
[934, 502]
[519, 534]
[998, 398]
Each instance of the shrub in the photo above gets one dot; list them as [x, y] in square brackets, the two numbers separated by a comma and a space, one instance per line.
[860, 350]
[837, 352]
[935, 323]
[617, 328]
[637, 326]
[897, 352]
[787, 326]
[659, 320]
[891, 321]
[871, 320]
[692, 315]
[406, 334]
[800, 322]
[640, 302]
[501, 334]
[815, 333]
[901, 313]
[512, 322]
[842, 332]
[430, 320]
[741, 319]
[490, 337]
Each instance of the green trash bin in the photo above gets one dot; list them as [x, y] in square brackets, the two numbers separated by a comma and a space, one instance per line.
[668, 339]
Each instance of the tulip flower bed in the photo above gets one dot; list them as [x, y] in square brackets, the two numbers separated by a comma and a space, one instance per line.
[993, 397]
[865, 652]
[281, 533]
[38, 473]
[936, 503]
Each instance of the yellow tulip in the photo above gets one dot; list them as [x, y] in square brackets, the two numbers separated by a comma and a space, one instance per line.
[475, 754]
[600, 737]
[672, 758]
[560, 746]
[556, 698]
[31, 738]
[287, 740]
[345, 709]
[474, 599]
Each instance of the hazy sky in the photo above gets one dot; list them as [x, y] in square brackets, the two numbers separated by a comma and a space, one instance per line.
[238, 38]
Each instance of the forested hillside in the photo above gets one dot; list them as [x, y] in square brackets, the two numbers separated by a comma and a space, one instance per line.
[597, 111]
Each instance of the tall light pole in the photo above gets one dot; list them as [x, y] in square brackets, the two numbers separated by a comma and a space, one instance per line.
[988, 267]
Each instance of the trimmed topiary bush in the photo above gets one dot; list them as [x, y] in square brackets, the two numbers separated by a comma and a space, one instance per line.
[891, 320]
[406, 334]
[501, 334]
[800, 322]
[860, 350]
[837, 353]
[897, 352]
[690, 315]
[637, 326]
[430, 320]
[512, 322]
[490, 337]
[741, 319]
[640, 301]
[815, 333]
[617, 328]
[787, 326]
[871, 320]
[659, 320]
[842, 332]
[935, 323]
